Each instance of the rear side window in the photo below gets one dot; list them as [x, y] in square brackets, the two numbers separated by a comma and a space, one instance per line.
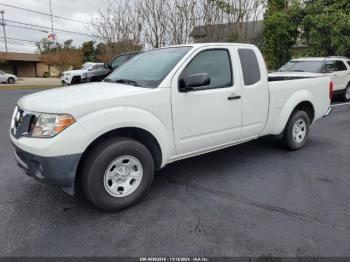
[216, 63]
[340, 66]
[250, 66]
[348, 63]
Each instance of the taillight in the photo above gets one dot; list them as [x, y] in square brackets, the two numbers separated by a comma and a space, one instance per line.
[331, 90]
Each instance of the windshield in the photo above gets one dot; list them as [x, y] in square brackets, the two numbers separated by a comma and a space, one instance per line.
[150, 68]
[303, 66]
[86, 66]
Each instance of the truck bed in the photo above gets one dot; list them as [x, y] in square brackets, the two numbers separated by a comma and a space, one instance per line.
[285, 88]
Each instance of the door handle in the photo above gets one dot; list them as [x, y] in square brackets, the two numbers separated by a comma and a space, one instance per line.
[233, 97]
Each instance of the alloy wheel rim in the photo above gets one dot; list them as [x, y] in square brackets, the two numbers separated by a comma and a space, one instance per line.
[347, 94]
[123, 176]
[299, 131]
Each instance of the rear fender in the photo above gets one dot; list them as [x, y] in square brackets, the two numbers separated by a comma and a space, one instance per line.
[288, 108]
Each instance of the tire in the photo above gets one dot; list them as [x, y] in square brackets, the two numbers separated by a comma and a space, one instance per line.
[111, 192]
[297, 130]
[11, 80]
[76, 80]
[346, 94]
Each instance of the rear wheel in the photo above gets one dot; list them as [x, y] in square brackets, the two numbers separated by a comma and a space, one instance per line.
[11, 80]
[117, 174]
[297, 130]
[346, 94]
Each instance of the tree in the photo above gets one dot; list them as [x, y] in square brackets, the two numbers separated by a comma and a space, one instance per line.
[106, 52]
[62, 57]
[281, 31]
[88, 51]
[44, 46]
[326, 27]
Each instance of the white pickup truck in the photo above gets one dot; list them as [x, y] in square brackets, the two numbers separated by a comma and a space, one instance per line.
[162, 106]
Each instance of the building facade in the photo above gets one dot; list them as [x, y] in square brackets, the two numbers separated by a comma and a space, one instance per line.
[24, 65]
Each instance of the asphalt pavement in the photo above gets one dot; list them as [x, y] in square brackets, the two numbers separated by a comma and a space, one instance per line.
[255, 199]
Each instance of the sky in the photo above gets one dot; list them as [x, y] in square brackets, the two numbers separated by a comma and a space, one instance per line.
[81, 10]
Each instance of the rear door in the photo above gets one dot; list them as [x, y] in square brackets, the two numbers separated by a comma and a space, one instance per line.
[210, 116]
[255, 91]
[341, 74]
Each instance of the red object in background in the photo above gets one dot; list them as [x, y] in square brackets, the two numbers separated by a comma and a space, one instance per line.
[331, 90]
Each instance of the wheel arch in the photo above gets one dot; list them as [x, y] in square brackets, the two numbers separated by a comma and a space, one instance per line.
[308, 108]
[302, 100]
[139, 134]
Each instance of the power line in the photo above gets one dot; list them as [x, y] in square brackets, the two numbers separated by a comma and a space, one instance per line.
[28, 28]
[24, 40]
[56, 16]
[45, 27]
[17, 43]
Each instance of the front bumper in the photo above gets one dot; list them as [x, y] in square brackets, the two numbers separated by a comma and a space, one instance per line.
[67, 80]
[57, 171]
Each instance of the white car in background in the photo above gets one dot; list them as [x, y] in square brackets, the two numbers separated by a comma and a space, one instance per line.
[336, 67]
[7, 78]
[74, 77]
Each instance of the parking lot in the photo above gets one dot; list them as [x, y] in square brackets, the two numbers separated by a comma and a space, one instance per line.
[256, 199]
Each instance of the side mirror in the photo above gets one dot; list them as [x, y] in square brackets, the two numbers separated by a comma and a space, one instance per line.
[191, 82]
[108, 66]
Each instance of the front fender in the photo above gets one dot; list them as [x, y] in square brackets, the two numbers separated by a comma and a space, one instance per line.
[287, 108]
[103, 121]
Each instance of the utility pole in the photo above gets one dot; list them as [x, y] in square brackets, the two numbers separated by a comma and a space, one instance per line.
[3, 28]
[51, 17]
[52, 32]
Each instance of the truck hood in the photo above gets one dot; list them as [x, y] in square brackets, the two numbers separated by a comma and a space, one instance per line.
[61, 100]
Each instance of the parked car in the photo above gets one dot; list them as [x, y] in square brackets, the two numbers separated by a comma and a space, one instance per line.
[7, 78]
[101, 72]
[74, 77]
[169, 104]
[336, 67]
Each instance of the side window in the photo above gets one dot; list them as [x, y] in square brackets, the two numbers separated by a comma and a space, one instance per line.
[216, 63]
[348, 62]
[329, 67]
[250, 66]
[97, 67]
[340, 66]
[117, 62]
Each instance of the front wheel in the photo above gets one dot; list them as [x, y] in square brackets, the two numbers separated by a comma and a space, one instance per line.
[346, 94]
[297, 130]
[11, 80]
[117, 174]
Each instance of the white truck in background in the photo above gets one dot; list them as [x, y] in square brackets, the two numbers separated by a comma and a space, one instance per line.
[88, 70]
[165, 105]
[336, 67]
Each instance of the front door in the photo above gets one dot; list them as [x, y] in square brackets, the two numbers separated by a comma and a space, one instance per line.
[209, 116]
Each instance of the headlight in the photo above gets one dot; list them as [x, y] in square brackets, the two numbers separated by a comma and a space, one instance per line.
[67, 74]
[49, 125]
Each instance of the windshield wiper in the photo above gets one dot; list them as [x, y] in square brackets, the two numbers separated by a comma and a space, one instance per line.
[126, 81]
[296, 70]
[108, 80]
